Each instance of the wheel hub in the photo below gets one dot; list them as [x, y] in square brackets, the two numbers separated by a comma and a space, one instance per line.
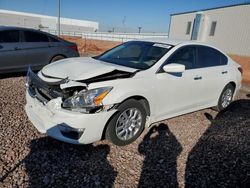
[227, 98]
[128, 123]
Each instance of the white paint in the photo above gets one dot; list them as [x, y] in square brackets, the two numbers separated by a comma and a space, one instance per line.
[81, 68]
[46, 120]
[72, 84]
[174, 68]
[168, 95]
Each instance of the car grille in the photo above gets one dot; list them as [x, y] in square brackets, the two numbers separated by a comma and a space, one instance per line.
[43, 91]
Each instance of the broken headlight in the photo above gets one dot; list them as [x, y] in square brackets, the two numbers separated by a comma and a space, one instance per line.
[86, 99]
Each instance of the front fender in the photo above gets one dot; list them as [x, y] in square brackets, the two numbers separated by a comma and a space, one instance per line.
[132, 88]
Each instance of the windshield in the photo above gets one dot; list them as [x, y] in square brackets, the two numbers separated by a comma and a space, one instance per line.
[136, 54]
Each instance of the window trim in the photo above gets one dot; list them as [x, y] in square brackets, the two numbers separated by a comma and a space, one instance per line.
[212, 28]
[160, 69]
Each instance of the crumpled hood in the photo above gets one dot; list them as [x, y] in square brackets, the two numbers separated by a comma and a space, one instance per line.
[81, 68]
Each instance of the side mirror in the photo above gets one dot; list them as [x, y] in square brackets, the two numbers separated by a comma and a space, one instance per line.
[174, 68]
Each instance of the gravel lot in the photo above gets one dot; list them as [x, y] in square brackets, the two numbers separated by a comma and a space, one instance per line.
[201, 149]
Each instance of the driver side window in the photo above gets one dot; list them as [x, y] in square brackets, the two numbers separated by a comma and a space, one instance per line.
[184, 56]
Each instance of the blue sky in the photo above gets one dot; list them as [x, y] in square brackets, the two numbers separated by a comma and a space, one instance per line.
[151, 15]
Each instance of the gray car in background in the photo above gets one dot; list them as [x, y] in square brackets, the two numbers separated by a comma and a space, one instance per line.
[22, 47]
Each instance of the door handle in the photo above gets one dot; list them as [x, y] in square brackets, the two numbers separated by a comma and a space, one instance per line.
[17, 48]
[224, 72]
[197, 78]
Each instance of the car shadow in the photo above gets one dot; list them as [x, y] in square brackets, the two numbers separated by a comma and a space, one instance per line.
[51, 163]
[221, 158]
[161, 149]
[12, 75]
[16, 74]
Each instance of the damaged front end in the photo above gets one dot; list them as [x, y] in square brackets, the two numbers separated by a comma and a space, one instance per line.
[73, 95]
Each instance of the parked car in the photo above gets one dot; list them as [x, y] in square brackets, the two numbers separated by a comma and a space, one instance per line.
[118, 94]
[21, 47]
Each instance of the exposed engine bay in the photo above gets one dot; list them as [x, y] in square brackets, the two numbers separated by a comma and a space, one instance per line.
[66, 89]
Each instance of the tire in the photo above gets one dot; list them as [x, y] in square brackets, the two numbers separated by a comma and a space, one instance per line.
[226, 98]
[57, 58]
[126, 125]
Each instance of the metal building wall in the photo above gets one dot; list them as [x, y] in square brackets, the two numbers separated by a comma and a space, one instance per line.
[22, 19]
[232, 33]
[178, 26]
[75, 28]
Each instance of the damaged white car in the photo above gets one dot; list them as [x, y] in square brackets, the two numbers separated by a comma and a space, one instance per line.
[119, 93]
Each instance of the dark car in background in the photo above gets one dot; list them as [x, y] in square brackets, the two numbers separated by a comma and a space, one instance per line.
[22, 47]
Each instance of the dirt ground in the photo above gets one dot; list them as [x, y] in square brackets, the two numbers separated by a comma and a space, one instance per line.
[91, 47]
[95, 47]
[200, 149]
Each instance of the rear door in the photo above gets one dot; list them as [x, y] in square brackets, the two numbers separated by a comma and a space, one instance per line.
[10, 56]
[212, 66]
[36, 47]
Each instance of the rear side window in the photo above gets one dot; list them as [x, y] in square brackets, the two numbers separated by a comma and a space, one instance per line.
[31, 36]
[52, 39]
[184, 56]
[209, 57]
[9, 36]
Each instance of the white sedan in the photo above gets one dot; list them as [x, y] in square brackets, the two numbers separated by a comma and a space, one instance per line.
[119, 93]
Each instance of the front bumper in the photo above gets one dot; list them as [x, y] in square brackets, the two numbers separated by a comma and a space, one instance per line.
[50, 118]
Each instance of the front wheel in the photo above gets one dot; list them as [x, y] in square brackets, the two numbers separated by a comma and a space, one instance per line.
[128, 124]
[226, 97]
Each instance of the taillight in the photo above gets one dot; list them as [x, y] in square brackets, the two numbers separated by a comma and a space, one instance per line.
[240, 69]
[73, 47]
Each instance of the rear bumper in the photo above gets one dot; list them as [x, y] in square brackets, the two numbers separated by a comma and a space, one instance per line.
[51, 119]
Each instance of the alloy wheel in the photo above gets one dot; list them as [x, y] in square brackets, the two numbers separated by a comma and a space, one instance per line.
[227, 97]
[128, 123]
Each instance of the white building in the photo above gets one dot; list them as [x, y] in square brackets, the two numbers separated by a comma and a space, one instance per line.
[227, 28]
[37, 21]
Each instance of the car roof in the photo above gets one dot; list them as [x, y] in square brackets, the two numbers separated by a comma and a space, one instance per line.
[15, 28]
[170, 41]
[162, 40]
[175, 42]
[2, 28]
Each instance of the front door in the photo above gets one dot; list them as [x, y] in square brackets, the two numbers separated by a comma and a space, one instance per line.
[212, 64]
[179, 93]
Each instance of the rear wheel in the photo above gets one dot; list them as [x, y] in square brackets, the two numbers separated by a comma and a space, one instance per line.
[128, 124]
[57, 58]
[226, 97]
